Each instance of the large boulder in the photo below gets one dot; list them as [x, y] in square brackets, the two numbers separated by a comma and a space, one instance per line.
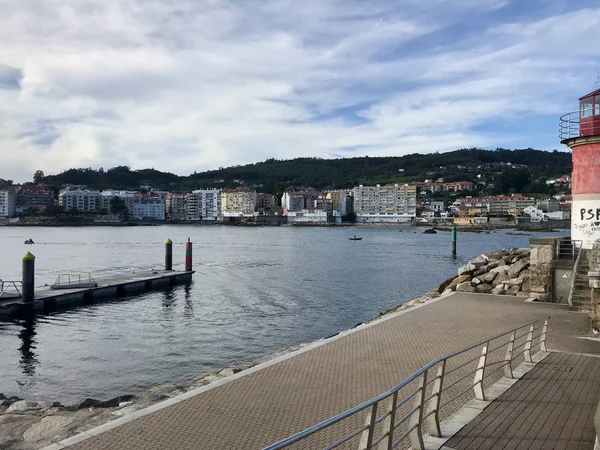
[479, 261]
[499, 289]
[488, 277]
[513, 282]
[475, 281]
[47, 428]
[493, 255]
[465, 287]
[458, 280]
[484, 288]
[467, 269]
[513, 290]
[500, 279]
[25, 406]
[518, 267]
[501, 269]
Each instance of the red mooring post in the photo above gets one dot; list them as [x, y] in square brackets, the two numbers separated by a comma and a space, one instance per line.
[188, 255]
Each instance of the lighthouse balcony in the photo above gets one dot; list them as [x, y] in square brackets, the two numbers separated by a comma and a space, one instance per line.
[582, 123]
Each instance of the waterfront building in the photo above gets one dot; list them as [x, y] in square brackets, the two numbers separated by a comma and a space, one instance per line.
[341, 201]
[548, 205]
[500, 204]
[438, 186]
[107, 196]
[437, 206]
[176, 206]
[148, 208]
[203, 204]
[265, 203]
[293, 201]
[33, 196]
[7, 202]
[83, 200]
[389, 203]
[309, 215]
[238, 202]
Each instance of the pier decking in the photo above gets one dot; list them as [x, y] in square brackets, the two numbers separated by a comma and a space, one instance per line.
[265, 404]
[47, 299]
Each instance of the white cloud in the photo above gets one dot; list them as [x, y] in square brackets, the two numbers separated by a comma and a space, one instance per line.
[184, 85]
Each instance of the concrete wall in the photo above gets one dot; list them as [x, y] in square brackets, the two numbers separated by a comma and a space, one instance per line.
[543, 250]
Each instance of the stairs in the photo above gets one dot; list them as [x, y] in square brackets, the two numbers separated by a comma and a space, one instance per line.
[582, 293]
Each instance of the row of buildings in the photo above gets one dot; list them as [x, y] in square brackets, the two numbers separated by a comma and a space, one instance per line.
[390, 203]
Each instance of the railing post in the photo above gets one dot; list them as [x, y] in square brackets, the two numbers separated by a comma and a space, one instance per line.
[433, 420]
[543, 337]
[416, 419]
[478, 380]
[527, 351]
[508, 373]
[388, 424]
[366, 440]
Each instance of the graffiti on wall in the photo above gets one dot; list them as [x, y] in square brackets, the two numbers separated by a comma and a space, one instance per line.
[586, 226]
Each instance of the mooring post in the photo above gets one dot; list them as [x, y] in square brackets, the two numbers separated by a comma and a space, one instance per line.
[188, 256]
[453, 239]
[169, 255]
[28, 278]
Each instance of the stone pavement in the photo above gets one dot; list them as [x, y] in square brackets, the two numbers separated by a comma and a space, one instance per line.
[552, 406]
[266, 405]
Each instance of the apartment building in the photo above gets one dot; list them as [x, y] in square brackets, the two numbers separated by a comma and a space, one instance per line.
[293, 201]
[84, 200]
[341, 201]
[434, 186]
[106, 197]
[389, 203]
[7, 203]
[176, 206]
[148, 208]
[500, 204]
[203, 204]
[239, 202]
[265, 202]
[32, 196]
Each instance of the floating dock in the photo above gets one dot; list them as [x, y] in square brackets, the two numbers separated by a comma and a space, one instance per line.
[49, 300]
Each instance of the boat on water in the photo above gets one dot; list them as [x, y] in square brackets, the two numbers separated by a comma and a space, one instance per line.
[29, 242]
[430, 231]
[355, 238]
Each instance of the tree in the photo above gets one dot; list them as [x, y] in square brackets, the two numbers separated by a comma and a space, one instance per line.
[119, 207]
[38, 177]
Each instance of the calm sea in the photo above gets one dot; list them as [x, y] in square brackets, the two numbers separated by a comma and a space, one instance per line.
[255, 291]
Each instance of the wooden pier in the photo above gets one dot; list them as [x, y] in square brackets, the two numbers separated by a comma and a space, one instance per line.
[48, 300]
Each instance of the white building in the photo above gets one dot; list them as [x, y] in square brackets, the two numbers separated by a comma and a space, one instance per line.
[203, 204]
[293, 201]
[148, 208]
[239, 202]
[107, 196]
[84, 200]
[436, 206]
[307, 216]
[384, 204]
[7, 203]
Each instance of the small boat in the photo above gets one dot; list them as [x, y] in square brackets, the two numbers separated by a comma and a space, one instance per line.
[355, 238]
[29, 242]
[430, 231]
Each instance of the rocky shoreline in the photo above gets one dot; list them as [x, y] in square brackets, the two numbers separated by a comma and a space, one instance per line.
[27, 425]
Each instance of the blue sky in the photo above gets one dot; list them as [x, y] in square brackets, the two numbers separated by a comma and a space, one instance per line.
[190, 85]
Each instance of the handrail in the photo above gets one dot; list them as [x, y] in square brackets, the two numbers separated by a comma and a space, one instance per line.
[571, 126]
[418, 416]
[5, 285]
[574, 277]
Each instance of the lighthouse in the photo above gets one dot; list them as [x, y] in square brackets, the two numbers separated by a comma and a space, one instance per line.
[580, 130]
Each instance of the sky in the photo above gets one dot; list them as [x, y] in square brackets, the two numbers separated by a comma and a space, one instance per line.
[191, 85]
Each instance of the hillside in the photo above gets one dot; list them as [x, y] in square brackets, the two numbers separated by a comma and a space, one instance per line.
[275, 176]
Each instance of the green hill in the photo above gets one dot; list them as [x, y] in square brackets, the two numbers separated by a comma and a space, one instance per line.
[502, 167]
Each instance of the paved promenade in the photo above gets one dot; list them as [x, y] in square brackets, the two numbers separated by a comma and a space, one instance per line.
[552, 406]
[266, 405]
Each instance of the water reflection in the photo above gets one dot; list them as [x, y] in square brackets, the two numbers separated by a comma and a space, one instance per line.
[29, 360]
[188, 308]
[170, 299]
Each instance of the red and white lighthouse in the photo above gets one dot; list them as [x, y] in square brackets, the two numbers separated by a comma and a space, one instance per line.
[580, 130]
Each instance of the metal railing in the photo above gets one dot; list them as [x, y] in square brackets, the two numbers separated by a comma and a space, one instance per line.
[574, 276]
[10, 289]
[416, 406]
[572, 126]
[568, 249]
[68, 281]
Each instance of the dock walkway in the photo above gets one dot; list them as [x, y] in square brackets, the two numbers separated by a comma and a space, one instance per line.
[269, 402]
[552, 406]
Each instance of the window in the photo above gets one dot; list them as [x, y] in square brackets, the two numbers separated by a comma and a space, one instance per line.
[586, 107]
[597, 105]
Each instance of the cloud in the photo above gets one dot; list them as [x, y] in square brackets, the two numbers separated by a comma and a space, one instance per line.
[189, 85]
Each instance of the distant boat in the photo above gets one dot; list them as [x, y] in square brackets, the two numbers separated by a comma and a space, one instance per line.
[29, 242]
[355, 238]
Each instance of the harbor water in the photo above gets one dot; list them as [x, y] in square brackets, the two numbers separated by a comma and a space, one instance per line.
[255, 291]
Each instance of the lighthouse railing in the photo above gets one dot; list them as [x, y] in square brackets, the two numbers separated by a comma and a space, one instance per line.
[579, 123]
